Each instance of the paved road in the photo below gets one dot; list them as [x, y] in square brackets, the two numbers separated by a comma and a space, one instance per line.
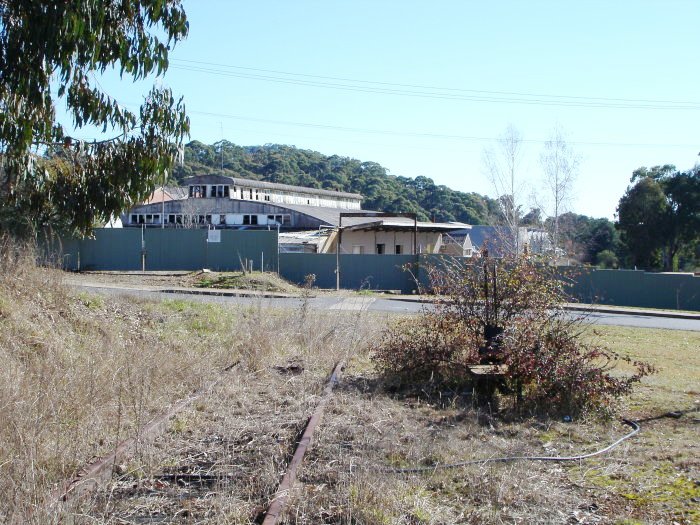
[396, 306]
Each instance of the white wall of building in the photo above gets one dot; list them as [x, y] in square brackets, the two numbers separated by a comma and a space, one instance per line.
[370, 242]
[242, 192]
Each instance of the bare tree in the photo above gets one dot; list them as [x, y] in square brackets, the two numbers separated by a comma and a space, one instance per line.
[559, 170]
[501, 166]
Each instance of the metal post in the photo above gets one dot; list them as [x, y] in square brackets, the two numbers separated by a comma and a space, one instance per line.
[162, 214]
[415, 234]
[143, 248]
[337, 252]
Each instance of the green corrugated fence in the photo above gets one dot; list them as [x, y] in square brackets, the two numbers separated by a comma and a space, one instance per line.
[132, 249]
[175, 249]
[635, 288]
[371, 272]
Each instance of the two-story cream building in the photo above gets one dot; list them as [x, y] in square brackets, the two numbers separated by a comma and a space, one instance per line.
[216, 201]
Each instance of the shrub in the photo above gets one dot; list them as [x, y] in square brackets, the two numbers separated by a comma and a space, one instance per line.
[505, 312]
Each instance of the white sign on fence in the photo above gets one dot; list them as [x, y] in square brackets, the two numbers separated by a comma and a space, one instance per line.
[214, 236]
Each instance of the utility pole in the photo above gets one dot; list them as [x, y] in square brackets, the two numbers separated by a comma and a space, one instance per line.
[162, 201]
[337, 252]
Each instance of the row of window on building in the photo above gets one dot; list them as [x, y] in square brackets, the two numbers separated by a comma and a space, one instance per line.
[380, 249]
[198, 191]
[216, 219]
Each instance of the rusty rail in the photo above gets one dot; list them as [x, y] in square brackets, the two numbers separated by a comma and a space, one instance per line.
[100, 470]
[282, 495]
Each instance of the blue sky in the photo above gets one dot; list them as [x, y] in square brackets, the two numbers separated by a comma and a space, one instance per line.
[423, 87]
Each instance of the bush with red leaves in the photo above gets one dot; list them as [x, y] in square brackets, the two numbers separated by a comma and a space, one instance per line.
[506, 312]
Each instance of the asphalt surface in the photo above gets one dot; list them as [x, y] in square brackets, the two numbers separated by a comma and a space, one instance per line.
[637, 318]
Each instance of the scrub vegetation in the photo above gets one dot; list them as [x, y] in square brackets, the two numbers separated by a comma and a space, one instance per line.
[505, 317]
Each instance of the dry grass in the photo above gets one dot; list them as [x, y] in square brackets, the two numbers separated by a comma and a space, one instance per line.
[222, 460]
[81, 372]
[653, 478]
[259, 281]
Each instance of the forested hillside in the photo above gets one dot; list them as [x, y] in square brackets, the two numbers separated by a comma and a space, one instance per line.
[382, 192]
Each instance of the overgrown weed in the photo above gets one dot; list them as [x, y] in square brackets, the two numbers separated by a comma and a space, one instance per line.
[82, 372]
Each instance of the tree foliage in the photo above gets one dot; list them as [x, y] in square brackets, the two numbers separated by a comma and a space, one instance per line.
[49, 54]
[659, 216]
[382, 191]
[585, 237]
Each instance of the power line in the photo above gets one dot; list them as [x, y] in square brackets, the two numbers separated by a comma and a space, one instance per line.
[418, 134]
[426, 91]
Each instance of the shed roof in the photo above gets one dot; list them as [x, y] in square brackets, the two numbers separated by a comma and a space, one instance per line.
[402, 224]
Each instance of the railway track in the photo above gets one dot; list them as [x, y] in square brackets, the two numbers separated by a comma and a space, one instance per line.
[227, 454]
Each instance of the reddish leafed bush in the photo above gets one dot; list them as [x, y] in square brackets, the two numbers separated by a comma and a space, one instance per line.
[506, 312]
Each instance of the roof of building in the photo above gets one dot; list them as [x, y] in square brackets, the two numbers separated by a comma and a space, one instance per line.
[495, 238]
[402, 224]
[250, 183]
[165, 194]
[316, 237]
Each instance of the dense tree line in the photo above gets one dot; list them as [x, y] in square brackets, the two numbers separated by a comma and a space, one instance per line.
[659, 218]
[381, 191]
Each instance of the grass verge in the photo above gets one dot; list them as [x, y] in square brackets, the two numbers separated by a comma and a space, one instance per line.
[260, 281]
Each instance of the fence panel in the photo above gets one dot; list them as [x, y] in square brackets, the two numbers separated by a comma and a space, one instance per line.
[635, 288]
[111, 249]
[260, 247]
[120, 249]
[174, 249]
[373, 272]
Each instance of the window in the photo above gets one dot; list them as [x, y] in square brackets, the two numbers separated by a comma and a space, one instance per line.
[287, 220]
[207, 219]
[246, 219]
[250, 194]
[222, 219]
[226, 191]
[253, 219]
[134, 218]
[358, 249]
[381, 249]
[212, 191]
[398, 249]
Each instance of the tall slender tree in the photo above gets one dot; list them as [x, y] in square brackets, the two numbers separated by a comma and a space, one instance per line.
[502, 167]
[560, 166]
